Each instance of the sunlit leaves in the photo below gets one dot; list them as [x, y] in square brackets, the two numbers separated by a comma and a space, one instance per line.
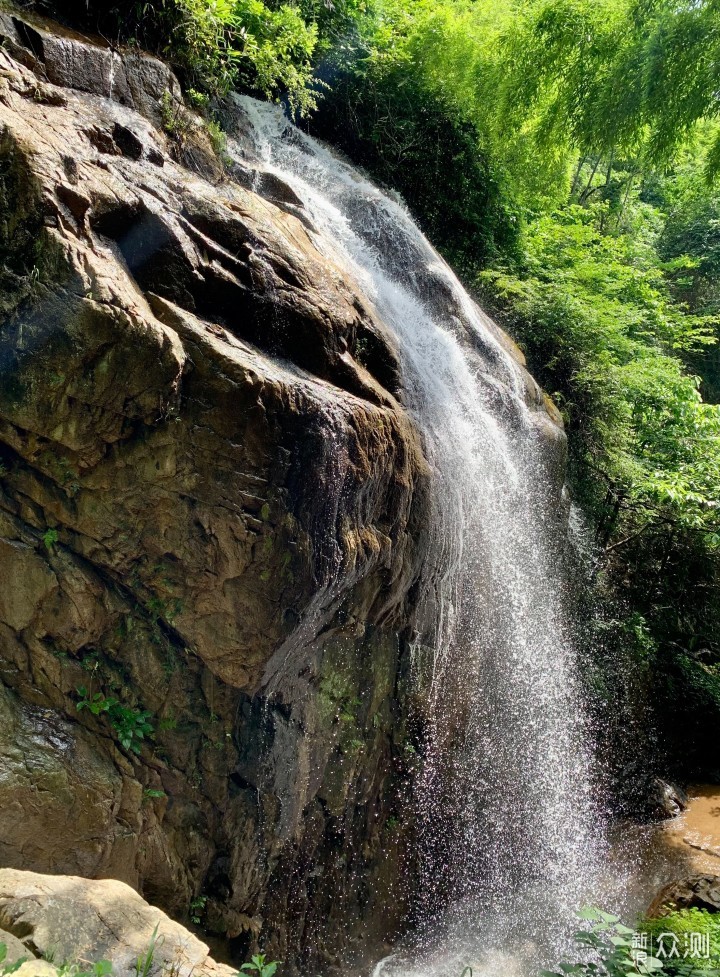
[222, 43]
[595, 312]
[616, 74]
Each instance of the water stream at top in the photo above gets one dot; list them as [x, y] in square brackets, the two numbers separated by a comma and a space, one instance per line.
[509, 826]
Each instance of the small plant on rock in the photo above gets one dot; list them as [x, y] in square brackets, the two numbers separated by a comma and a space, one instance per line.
[197, 908]
[259, 966]
[131, 725]
[145, 961]
[9, 968]
[151, 793]
[174, 119]
[103, 968]
[96, 704]
[218, 138]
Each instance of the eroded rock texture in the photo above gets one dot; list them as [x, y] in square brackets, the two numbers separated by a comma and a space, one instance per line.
[213, 513]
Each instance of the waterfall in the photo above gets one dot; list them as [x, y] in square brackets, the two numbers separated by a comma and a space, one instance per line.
[511, 836]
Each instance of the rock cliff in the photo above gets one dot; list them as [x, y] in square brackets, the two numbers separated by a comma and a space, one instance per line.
[212, 512]
[200, 473]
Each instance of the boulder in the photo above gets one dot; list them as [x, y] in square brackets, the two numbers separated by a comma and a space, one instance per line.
[697, 891]
[15, 950]
[75, 920]
[665, 800]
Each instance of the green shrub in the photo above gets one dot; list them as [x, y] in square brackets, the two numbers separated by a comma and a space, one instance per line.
[259, 966]
[131, 725]
[684, 925]
[218, 45]
[610, 949]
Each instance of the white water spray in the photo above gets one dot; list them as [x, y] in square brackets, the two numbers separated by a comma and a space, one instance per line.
[509, 828]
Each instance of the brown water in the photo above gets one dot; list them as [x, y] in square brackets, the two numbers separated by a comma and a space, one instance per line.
[651, 855]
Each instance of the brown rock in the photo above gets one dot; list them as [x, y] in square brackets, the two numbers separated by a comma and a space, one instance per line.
[52, 774]
[698, 892]
[665, 800]
[199, 478]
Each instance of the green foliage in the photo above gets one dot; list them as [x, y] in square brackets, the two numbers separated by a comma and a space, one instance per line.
[174, 120]
[596, 316]
[197, 908]
[144, 963]
[96, 704]
[131, 725]
[50, 537]
[218, 138]
[680, 924]
[336, 702]
[220, 44]
[611, 949]
[596, 309]
[689, 246]
[260, 966]
[616, 75]
[198, 100]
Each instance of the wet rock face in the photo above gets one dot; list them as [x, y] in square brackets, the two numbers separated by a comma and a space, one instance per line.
[665, 800]
[695, 892]
[199, 477]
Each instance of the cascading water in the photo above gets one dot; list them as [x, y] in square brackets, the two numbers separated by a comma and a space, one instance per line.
[508, 825]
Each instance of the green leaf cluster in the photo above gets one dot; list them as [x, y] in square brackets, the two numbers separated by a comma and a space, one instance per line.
[131, 725]
[681, 924]
[596, 314]
[260, 966]
[222, 44]
[611, 949]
